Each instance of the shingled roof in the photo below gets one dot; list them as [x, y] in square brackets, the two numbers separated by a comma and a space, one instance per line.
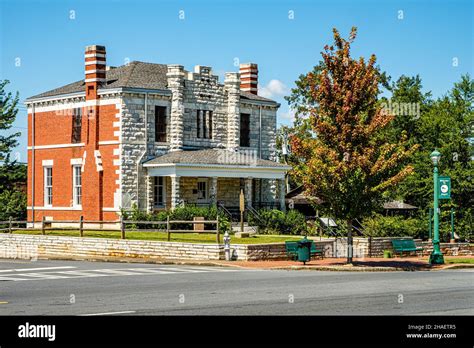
[134, 75]
[213, 156]
[398, 205]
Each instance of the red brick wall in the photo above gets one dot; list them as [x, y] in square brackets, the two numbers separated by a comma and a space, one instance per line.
[55, 127]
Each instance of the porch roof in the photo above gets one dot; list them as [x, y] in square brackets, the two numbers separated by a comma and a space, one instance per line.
[215, 162]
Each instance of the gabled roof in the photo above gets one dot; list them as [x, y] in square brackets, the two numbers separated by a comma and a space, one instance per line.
[398, 205]
[298, 196]
[134, 75]
[212, 156]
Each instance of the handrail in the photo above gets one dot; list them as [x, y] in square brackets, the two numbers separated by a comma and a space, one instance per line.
[360, 223]
[255, 213]
[225, 211]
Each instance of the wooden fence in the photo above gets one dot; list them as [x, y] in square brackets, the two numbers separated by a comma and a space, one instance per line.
[125, 225]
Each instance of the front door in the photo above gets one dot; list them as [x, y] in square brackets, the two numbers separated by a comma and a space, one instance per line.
[203, 190]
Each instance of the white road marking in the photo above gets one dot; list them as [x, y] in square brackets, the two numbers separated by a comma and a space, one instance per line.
[181, 270]
[212, 269]
[11, 279]
[106, 272]
[35, 269]
[116, 271]
[41, 275]
[81, 274]
[107, 313]
[152, 270]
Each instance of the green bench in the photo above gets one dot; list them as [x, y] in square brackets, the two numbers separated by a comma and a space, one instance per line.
[292, 250]
[405, 245]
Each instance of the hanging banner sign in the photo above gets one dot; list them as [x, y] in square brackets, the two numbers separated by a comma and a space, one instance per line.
[444, 184]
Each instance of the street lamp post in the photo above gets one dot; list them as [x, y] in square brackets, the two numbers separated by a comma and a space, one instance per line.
[436, 256]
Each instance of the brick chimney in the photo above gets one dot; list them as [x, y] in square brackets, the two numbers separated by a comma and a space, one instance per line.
[249, 78]
[95, 67]
[92, 178]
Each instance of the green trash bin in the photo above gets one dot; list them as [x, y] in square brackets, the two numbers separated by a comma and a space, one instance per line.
[304, 250]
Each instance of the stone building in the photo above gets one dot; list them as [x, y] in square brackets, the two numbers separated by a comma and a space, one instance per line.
[151, 135]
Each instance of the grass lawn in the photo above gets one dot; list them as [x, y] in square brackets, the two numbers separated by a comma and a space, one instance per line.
[460, 260]
[162, 236]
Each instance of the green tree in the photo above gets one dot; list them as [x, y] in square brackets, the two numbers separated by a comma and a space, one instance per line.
[347, 160]
[446, 125]
[12, 174]
[407, 103]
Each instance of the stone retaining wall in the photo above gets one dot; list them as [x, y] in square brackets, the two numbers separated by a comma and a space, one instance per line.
[22, 246]
[45, 247]
[274, 251]
[376, 247]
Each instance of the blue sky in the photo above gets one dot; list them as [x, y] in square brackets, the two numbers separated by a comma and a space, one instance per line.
[408, 37]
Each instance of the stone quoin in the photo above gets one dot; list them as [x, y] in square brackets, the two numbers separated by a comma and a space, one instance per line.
[151, 135]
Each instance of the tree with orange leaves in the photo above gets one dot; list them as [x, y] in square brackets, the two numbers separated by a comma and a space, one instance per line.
[347, 161]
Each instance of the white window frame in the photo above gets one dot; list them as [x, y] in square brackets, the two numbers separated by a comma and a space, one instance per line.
[206, 190]
[47, 189]
[157, 185]
[76, 186]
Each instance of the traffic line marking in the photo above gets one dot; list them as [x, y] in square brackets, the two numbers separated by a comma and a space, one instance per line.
[60, 273]
[151, 270]
[3, 302]
[181, 270]
[11, 278]
[116, 271]
[106, 313]
[41, 275]
[35, 269]
[81, 274]
[212, 269]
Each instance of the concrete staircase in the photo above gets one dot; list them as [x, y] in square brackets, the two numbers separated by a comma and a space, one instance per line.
[249, 231]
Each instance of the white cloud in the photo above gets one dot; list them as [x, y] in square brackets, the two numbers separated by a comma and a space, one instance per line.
[274, 89]
[286, 117]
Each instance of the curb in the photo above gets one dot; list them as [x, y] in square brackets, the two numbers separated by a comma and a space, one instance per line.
[216, 263]
[459, 266]
[342, 269]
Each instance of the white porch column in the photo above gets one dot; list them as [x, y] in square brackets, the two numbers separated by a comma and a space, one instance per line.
[248, 191]
[149, 193]
[282, 193]
[175, 194]
[213, 190]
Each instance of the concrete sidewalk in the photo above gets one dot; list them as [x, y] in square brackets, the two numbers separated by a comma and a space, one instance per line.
[328, 264]
[359, 264]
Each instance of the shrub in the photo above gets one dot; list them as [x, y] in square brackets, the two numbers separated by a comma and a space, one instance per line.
[394, 226]
[185, 213]
[278, 222]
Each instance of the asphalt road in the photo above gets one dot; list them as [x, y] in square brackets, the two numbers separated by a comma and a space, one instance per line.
[103, 288]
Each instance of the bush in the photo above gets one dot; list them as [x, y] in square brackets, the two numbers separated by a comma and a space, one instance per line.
[185, 213]
[278, 222]
[394, 226]
[463, 224]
